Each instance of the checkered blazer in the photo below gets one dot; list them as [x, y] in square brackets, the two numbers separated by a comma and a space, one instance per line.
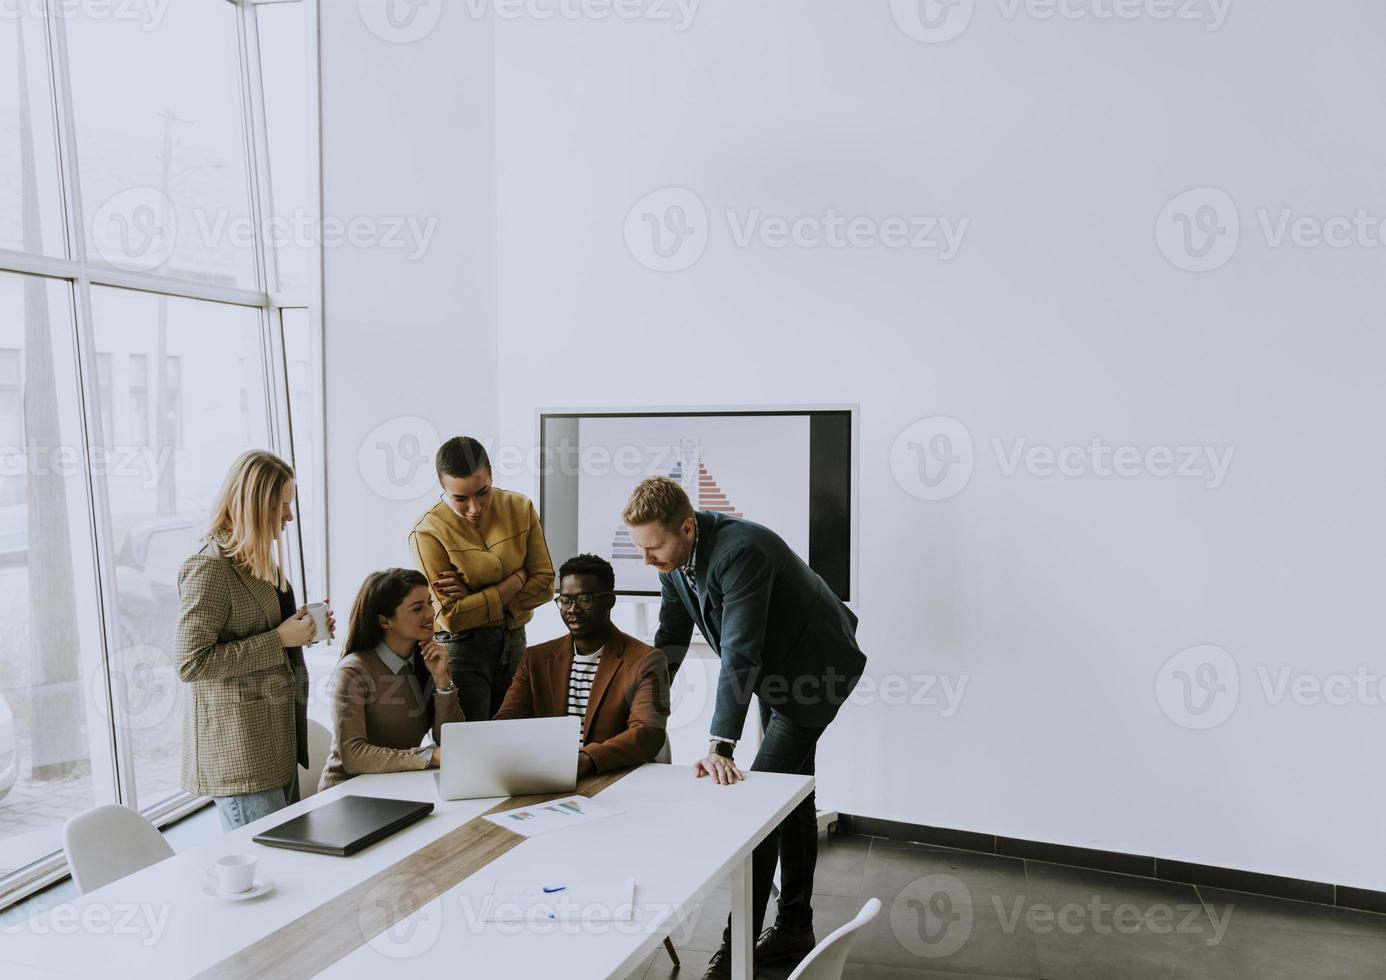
[246, 718]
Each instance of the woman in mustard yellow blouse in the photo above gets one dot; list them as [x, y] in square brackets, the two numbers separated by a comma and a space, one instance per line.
[488, 567]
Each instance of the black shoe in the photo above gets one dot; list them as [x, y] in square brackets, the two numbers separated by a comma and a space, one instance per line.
[719, 967]
[780, 945]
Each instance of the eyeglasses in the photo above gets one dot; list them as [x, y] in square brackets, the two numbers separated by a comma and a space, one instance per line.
[582, 600]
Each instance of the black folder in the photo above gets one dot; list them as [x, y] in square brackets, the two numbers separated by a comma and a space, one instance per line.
[345, 825]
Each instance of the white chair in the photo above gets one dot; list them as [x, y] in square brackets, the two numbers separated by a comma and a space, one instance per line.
[109, 842]
[826, 960]
[319, 744]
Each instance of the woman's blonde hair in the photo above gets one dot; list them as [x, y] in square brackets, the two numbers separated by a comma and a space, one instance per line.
[246, 521]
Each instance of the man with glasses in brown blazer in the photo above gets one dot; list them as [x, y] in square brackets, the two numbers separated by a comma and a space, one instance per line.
[617, 685]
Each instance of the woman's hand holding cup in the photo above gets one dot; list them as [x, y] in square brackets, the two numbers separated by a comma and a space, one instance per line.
[297, 630]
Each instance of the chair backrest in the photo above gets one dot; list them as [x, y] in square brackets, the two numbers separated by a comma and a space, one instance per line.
[826, 960]
[109, 842]
[319, 744]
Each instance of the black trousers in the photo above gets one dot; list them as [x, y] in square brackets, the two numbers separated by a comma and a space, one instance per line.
[483, 663]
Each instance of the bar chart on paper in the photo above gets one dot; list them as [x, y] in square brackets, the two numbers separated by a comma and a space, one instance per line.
[541, 818]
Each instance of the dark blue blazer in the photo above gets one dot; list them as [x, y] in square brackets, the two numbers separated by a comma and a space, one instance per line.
[778, 629]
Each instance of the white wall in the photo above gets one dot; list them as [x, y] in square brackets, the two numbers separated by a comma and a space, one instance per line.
[410, 334]
[1059, 321]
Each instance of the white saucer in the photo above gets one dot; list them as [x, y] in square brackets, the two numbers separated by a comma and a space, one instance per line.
[260, 887]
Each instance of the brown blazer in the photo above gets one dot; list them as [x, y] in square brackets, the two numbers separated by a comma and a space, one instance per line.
[626, 712]
[378, 721]
[245, 722]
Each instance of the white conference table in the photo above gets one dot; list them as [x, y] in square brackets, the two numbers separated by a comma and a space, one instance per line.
[679, 837]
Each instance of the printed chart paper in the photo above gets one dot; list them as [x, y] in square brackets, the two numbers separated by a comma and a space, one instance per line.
[571, 811]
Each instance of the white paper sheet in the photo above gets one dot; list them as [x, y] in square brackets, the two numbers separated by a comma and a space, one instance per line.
[561, 901]
[571, 811]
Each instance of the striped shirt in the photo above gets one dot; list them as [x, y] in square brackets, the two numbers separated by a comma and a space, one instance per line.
[580, 679]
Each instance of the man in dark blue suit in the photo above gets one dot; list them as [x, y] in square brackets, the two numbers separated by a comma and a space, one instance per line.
[780, 634]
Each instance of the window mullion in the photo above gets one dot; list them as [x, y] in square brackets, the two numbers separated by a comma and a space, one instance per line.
[94, 485]
[257, 147]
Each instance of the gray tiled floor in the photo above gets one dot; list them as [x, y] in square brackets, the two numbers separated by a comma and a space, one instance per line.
[956, 915]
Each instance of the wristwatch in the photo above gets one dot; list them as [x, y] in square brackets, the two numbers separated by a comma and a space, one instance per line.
[722, 748]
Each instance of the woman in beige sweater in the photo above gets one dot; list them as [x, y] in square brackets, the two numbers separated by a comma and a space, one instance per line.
[392, 686]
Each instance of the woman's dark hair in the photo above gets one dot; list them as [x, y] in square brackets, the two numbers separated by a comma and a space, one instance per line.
[461, 456]
[381, 595]
[599, 568]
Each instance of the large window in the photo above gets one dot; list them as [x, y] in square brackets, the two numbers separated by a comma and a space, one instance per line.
[156, 320]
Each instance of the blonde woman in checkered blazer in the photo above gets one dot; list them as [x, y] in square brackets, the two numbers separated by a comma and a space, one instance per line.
[239, 642]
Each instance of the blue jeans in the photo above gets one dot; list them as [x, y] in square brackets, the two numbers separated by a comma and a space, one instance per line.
[483, 663]
[237, 811]
[785, 747]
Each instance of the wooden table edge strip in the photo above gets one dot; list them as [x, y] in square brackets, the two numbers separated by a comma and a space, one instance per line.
[317, 939]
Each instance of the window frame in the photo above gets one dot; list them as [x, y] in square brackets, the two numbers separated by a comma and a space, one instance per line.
[80, 274]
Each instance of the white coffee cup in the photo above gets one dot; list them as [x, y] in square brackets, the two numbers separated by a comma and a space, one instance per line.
[317, 611]
[234, 873]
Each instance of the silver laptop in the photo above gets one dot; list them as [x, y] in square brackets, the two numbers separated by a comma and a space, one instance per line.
[509, 758]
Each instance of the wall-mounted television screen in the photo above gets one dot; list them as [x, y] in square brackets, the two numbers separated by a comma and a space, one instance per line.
[789, 469]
